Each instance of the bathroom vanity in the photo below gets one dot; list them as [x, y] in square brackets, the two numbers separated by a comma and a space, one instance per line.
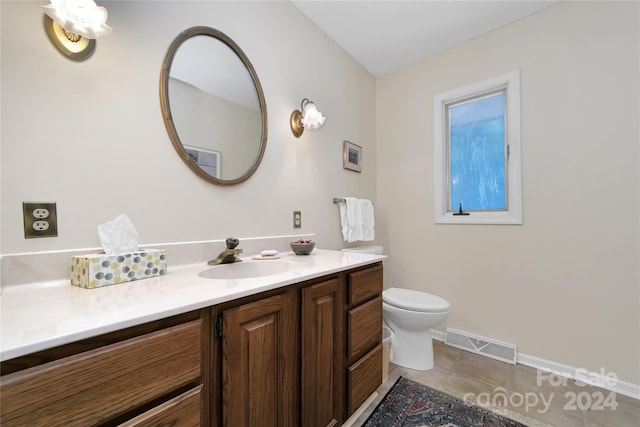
[300, 347]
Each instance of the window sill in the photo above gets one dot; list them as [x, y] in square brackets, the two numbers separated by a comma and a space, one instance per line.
[496, 218]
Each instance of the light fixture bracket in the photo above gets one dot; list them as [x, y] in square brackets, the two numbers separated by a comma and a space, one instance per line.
[72, 46]
[296, 123]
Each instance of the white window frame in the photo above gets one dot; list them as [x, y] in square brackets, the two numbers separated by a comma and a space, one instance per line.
[513, 214]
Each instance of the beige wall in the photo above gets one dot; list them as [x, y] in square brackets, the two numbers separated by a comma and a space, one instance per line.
[90, 135]
[564, 286]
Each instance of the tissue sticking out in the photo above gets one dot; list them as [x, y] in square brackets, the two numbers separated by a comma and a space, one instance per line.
[118, 236]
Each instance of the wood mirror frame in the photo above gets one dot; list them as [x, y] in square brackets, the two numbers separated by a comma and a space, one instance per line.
[166, 107]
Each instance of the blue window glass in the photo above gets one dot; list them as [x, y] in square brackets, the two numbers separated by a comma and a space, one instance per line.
[477, 158]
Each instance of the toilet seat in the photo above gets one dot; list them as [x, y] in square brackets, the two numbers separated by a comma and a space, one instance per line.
[409, 299]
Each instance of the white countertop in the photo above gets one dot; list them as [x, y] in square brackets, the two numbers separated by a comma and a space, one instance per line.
[42, 315]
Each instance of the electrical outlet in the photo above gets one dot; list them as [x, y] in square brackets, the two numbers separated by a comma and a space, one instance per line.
[297, 219]
[40, 219]
[41, 213]
[41, 225]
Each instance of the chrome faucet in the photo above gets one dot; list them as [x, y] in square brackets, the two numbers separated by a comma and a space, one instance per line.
[229, 255]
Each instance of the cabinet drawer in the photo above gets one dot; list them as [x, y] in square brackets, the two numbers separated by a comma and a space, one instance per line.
[96, 385]
[182, 411]
[363, 378]
[364, 328]
[364, 285]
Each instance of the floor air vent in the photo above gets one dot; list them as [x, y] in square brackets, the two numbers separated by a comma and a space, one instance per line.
[480, 345]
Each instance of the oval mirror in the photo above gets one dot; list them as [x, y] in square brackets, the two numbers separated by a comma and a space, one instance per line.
[213, 106]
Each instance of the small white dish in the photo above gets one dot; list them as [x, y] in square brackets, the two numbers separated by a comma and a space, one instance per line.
[266, 256]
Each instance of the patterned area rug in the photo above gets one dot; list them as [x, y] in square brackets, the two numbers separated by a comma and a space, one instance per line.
[409, 404]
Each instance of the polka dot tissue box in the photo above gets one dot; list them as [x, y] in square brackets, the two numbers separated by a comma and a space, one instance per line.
[96, 270]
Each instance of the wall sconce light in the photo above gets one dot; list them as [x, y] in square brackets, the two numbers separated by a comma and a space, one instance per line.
[73, 26]
[309, 118]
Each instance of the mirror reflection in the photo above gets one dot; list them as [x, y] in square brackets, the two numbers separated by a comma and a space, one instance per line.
[213, 106]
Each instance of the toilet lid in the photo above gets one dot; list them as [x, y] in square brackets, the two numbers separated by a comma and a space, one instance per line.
[415, 300]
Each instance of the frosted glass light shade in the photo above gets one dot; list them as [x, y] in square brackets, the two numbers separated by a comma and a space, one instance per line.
[311, 117]
[81, 17]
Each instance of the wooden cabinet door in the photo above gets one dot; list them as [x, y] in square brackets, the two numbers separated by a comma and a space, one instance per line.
[321, 355]
[260, 364]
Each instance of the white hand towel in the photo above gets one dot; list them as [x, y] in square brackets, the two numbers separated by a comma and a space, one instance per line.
[344, 219]
[356, 217]
[351, 216]
[368, 222]
[354, 214]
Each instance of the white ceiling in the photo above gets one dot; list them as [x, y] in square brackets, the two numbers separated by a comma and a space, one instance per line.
[387, 35]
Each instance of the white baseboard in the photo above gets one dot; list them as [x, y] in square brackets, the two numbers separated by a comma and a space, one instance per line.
[595, 378]
[437, 335]
[598, 379]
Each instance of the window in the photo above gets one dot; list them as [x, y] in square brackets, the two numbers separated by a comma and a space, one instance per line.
[477, 153]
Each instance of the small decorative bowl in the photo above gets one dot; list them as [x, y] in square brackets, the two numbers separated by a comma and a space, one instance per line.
[302, 247]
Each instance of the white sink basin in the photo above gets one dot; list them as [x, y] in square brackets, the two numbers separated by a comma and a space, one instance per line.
[248, 269]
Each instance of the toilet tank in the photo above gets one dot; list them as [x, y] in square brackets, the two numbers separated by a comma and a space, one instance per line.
[376, 250]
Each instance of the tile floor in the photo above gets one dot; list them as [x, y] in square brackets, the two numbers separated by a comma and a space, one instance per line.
[556, 402]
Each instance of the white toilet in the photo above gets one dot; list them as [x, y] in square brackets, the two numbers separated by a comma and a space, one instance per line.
[410, 315]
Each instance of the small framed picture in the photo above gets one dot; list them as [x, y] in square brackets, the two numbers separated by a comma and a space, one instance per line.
[352, 157]
[207, 160]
